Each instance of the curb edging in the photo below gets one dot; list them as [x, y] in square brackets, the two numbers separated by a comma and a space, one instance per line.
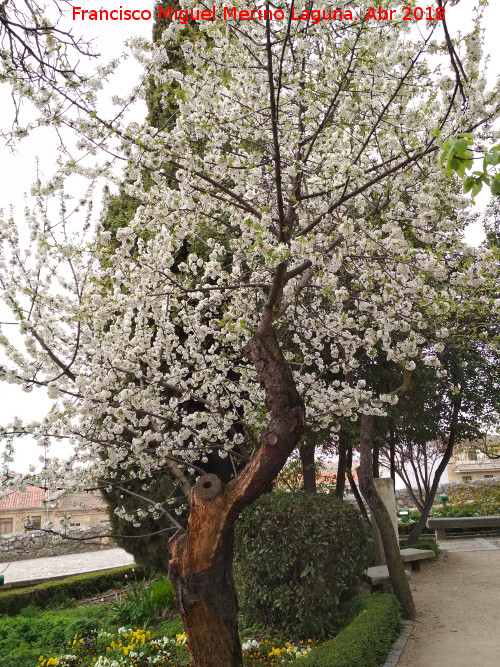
[399, 644]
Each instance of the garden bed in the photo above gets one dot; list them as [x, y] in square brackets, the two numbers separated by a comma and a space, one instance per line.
[98, 634]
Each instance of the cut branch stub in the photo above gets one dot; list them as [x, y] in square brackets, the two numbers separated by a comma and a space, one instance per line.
[272, 438]
[207, 487]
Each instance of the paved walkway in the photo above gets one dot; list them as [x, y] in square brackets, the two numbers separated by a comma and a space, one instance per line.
[458, 608]
[39, 569]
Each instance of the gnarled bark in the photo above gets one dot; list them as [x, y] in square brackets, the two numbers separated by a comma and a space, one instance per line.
[201, 557]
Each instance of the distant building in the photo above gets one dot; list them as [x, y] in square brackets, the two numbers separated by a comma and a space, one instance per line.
[475, 461]
[326, 478]
[331, 468]
[85, 509]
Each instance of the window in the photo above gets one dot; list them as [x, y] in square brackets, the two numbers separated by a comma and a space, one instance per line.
[488, 477]
[467, 478]
[75, 524]
[5, 526]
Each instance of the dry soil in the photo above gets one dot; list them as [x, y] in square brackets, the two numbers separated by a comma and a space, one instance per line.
[458, 612]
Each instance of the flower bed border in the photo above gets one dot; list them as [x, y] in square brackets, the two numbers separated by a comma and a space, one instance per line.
[367, 641]
[56, 592]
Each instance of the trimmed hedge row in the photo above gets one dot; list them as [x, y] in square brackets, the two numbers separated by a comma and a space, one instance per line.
[406, 528]
[58, 592]
[367, 641]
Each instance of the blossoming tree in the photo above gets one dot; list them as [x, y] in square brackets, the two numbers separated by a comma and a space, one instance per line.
[290, 228]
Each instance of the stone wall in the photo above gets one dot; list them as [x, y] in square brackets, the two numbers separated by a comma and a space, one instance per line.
[38, 544]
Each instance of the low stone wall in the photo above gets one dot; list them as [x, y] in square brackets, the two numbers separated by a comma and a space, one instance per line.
[38, 544]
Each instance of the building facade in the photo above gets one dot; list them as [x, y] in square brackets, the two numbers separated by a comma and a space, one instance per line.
[472, 462]
[82, 509]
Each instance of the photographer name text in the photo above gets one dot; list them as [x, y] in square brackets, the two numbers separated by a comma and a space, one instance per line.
[260, 14]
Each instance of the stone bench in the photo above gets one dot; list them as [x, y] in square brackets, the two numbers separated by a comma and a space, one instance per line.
[378, 577]
[414, 556]
[442, 524]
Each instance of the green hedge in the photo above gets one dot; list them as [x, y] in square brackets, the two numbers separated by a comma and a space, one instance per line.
[297, 557]
[52, 593]
[406, 528]
[367, 641]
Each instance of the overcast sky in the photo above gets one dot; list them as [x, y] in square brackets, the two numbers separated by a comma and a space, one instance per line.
[18, 170]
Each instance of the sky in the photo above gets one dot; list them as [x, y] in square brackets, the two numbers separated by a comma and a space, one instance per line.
[18, 170]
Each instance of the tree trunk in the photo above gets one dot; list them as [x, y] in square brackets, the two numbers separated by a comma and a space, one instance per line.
[340, 485]
[307, 451]
[420, 525]
[201, 573]
[381, 516]
[200, 567]
[392, 454]
[375, 461]
[354, 488]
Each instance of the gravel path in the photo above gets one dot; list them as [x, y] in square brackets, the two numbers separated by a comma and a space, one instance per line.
[39, 569]
[458, 608]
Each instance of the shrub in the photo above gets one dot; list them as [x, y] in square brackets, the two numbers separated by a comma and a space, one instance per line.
[296, 555]
[366, 641]
[143, 604]
[453, 511]
[407, 523]
[52, 593]
[472, 500]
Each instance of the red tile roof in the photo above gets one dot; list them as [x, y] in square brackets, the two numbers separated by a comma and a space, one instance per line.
[33, 498]
[24, 500]
[81, 502]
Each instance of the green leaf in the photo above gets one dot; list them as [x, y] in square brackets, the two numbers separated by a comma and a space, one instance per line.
[460, 146]
[492, 158]
[477, 187]
[453, 165]
[469, 184]
[495, 186]
[461, 169]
